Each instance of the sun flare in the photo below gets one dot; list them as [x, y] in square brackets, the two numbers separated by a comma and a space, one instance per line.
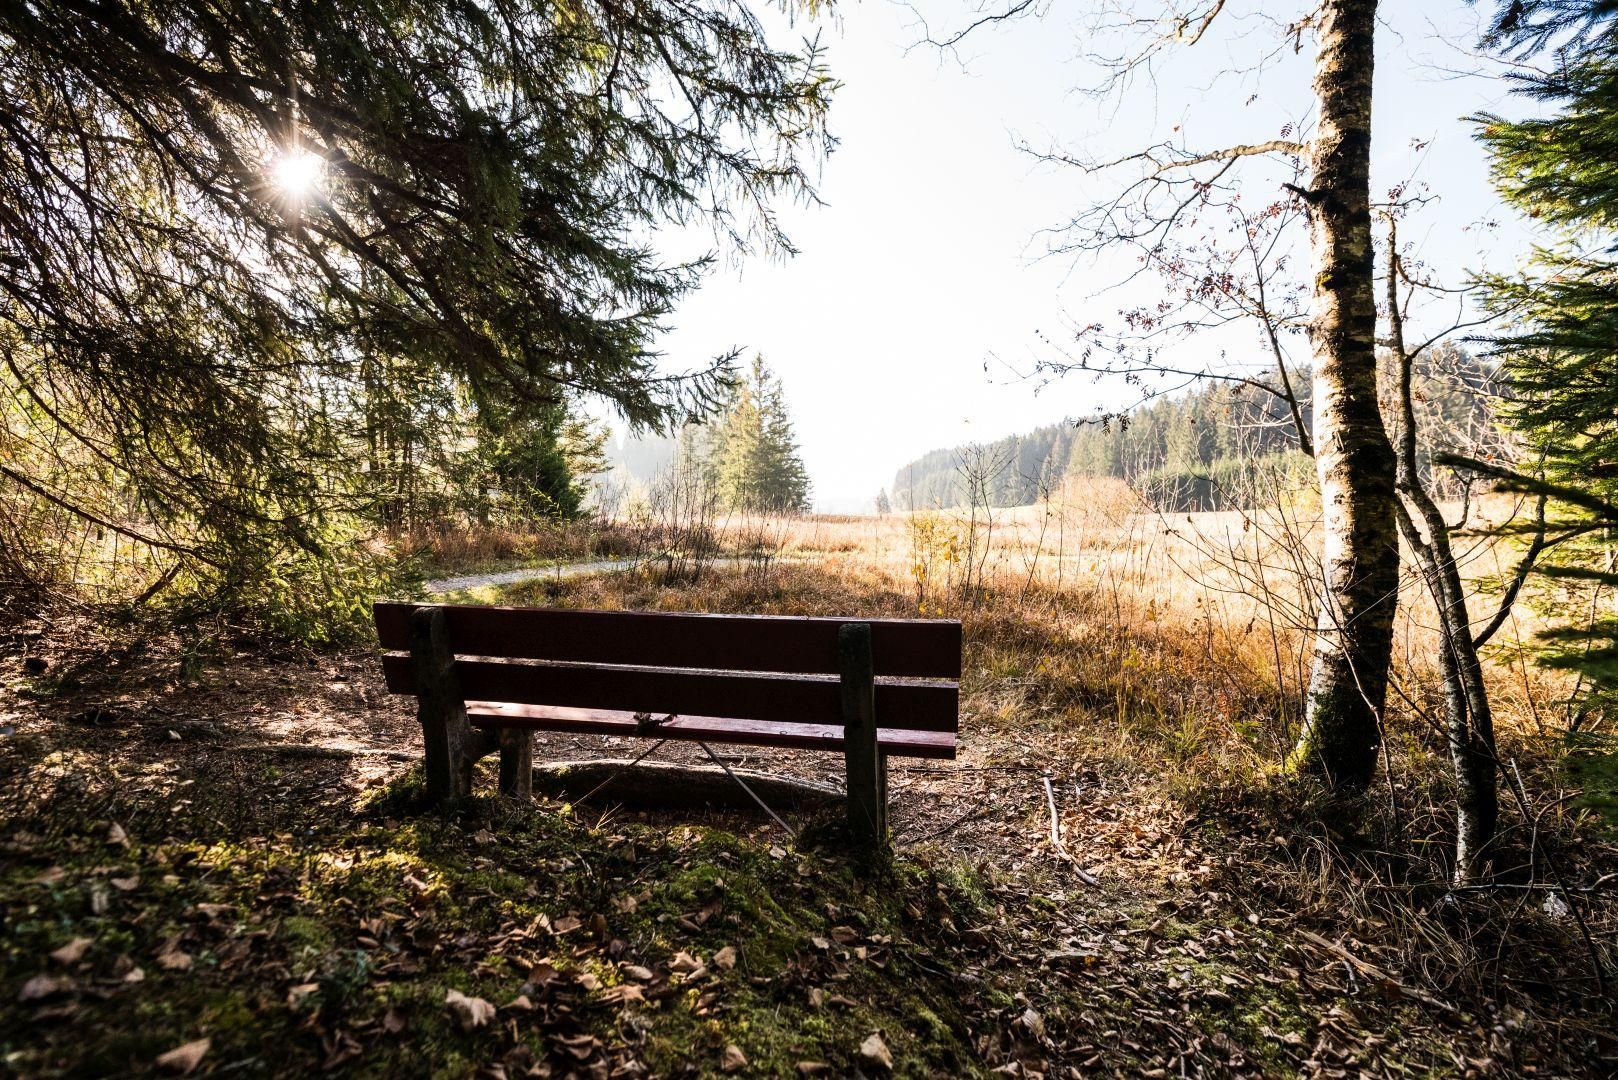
[297, 173]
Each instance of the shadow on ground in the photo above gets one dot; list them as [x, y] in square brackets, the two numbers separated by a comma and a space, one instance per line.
[234, 869]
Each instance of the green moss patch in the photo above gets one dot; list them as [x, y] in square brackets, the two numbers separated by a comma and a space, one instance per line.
[618, 947]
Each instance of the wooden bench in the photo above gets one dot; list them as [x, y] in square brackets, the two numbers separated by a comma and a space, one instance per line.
[487, 678]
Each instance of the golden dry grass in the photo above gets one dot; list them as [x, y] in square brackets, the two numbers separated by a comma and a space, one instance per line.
[1235, 585]
[1182, 640]
[473, 548]
[1164, 659]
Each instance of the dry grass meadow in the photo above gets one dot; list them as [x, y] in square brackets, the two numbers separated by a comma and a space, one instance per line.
[1195, 912]
[1165, 658]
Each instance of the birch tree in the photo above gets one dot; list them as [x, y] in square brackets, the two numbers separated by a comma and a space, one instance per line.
[1354, 457]
[1158, 191]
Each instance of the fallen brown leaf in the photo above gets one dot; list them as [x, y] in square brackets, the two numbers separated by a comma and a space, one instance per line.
[874, 1050]
[625, 993]
[41, 987]
[174, 960]
[298, 994]
[470, 1012]
[72, 952]
[582, 1047]
[183, 1059]
[685, 962]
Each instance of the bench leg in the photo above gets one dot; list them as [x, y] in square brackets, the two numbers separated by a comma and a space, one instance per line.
[450, 745]
[867, 764]
[516, 763]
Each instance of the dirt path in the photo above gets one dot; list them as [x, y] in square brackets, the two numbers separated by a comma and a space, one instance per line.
[563, 571]
[527, 573]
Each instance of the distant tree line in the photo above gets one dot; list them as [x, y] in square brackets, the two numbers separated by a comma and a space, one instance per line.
[1199, 450]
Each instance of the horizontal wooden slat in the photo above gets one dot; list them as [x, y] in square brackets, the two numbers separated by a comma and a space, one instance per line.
[924, 744]
[917, 648]
[910, 705]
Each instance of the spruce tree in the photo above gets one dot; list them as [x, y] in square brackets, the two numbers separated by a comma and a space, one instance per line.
[783, 482]
[215, 212]
[738, 445]
[1561, 352]
[755, 458]
[539, 458]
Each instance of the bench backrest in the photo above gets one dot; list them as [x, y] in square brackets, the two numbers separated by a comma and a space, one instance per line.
[748, 667]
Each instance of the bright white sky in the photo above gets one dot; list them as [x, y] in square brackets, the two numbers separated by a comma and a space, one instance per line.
[921, 269]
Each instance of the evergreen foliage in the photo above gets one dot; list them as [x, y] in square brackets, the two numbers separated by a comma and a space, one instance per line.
[433, 452]
[536, 459]
[750, 451]
[248, 244]
[1561, 352]
[1200, 450]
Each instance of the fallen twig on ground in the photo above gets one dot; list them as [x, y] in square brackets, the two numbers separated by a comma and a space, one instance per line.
[1367, 968]
[1056, 837]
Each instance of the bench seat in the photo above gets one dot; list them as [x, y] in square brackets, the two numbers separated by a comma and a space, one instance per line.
[896, 742]
[486, 678]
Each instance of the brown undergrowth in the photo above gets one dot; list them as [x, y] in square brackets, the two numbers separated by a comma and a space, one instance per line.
[1241, 925]
[1143, 707]
[472, 549]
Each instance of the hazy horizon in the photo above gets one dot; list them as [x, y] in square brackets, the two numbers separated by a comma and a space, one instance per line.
[916, 298]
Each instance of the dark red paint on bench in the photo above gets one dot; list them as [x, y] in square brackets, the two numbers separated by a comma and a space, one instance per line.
[867, 688]
[804, 699]
[917, 648]
[895, 742]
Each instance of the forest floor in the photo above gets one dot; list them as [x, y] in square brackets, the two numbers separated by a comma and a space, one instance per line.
[219, 867]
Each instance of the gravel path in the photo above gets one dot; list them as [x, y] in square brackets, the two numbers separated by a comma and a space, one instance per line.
[567, 570]
[510, 577]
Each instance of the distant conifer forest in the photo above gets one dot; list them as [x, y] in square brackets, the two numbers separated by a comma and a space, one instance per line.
[1208, 448]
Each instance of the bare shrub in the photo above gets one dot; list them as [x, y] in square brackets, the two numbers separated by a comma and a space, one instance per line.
[675, 526]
